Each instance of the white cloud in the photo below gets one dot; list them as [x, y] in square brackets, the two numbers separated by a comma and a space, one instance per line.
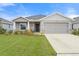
[26, 11]
[72, 16]
[18, 12]
[5, 15]
[6, 4]
[2, 5]
[71, 12]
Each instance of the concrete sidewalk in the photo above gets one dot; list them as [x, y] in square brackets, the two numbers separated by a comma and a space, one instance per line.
[64, 44]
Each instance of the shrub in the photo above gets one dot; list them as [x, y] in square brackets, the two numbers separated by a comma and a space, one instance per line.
[29, 32]
[26, 32]
[2, 30]
[17, 32]
[41, 33]
[21, 32]
[75, 31]
[78, 31]
[6, 33]
[10, 32]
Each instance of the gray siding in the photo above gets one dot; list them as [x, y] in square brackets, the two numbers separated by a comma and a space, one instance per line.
[7, 26]
[76, 26]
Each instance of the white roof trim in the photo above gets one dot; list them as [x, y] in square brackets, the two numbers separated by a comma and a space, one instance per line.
[20, 17]
[58, 14]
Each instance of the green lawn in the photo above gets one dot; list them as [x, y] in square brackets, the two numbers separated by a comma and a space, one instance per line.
[22, 45]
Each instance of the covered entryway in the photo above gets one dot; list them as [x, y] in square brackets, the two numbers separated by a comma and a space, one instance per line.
[51, 27]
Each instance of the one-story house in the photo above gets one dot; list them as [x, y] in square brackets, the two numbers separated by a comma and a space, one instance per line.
[6, 24]
[54, 23]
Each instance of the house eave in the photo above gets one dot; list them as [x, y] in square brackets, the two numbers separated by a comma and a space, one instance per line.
[34, 20]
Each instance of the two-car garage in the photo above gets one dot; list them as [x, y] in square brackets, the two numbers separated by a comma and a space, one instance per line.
[50, 27]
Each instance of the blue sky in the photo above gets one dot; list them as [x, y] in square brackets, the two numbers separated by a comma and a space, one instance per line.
[10, 11]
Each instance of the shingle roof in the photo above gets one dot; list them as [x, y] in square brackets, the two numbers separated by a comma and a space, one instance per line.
[30, 18]
[4, 20]
[35, 17]
[76, 18]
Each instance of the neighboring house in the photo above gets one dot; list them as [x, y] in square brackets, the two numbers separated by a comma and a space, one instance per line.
[55, 23]
[6, 24]
[76, 23]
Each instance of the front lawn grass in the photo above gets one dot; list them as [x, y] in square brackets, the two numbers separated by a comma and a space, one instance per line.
[23, 45]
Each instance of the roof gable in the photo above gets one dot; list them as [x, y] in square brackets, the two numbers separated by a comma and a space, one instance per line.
[20, 19]
[56, 17]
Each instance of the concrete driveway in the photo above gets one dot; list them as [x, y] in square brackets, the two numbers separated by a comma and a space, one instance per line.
[64, 44]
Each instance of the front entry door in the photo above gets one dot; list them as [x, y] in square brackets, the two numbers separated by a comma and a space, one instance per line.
[37, 27]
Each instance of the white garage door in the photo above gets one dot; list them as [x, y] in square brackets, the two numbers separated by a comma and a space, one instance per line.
[55, 27]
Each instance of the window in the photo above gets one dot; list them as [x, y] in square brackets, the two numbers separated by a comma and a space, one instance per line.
[9, 25]
[23, 27]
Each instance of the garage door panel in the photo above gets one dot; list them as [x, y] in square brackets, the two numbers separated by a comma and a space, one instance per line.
[55, 27]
